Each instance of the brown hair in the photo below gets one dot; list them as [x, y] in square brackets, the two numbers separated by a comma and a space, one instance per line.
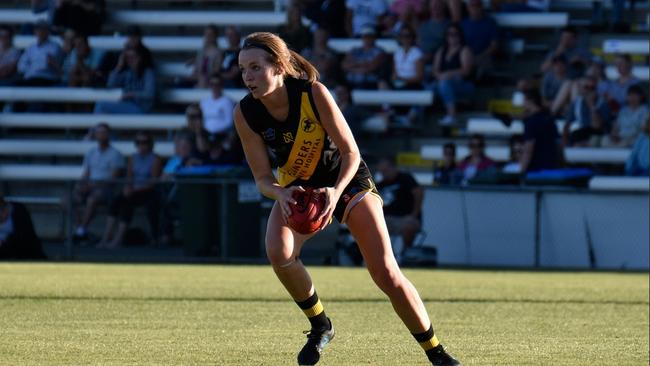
[288, 61]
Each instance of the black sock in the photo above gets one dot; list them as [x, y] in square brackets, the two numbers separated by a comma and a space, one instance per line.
[428, 341]
[314, 311]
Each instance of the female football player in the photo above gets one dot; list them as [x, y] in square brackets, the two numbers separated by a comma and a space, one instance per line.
[293, 115]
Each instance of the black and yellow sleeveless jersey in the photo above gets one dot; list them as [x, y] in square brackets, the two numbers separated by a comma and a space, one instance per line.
[300, 148]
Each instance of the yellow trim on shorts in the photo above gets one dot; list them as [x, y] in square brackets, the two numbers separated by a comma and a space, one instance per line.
[314, 310]
[431, 343]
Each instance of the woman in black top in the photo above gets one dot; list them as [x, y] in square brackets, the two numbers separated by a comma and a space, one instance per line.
[452, 67]
[294, 116]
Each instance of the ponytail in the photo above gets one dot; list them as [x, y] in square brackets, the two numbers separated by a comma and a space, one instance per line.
[303, 68]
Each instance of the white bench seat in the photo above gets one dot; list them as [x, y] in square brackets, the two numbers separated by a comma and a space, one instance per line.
[633, 46]
[619, 183]
[116, 121]
[24, 147]
[574, 155]
[532, 20]
[40, 172]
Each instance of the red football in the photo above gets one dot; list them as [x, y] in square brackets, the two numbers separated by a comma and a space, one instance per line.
[305, 212]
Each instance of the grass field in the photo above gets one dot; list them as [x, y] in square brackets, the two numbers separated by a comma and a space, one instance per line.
[102, 314]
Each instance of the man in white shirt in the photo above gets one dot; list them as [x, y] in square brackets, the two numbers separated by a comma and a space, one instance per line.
[217, 110]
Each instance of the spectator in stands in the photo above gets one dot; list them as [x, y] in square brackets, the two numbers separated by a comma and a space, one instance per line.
[101, 164]
[67, 41]
[452, 69]
[431, 33]
[84, 16]
[523, 6]
[40, 64]
[194, 118]
[446, 172]
[542, 149]
[229, 69]
[143, 169]
[570, 89]
[477, 164]
[408, 62]
[362, 14]
[516, 145]
[638, 163]
[364, 66]
[9, 56]
[354, 114]
[401, 7]
[137, 81]
[408, 16]
[217, 109]
[576, 56]
[208, 59]
[220, 151]
[133, 41]
[553, 80]
[322, 57]
[630, 120]
[403, 198]
[294, 33]
[18, 240]
[81, 67]
[616, 90]
[591, 112]
[329, 15]
[482, 37]
[183, 157]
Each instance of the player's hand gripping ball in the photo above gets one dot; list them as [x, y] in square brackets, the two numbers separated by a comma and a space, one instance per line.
[305, 212]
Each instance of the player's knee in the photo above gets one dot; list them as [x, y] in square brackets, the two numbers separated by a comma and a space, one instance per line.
[278, 257]
[387, 277]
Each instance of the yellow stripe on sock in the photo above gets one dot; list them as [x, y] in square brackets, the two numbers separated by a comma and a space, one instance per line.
[431, 343]
[314, 310]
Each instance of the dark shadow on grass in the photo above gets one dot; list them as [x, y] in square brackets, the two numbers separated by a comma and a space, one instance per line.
[329, 300]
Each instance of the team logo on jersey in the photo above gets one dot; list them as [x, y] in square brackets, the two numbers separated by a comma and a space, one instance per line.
[308, 126]
[288, 137]
[268, 135]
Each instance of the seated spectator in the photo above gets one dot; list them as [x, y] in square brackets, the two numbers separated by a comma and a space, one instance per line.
[293, 32]
[208, 59]
[570, 89]
[133, 41]
[195, 128]
[591, 112]
[138, 84]
[631, 119]
[401, 7]
[524, 6]
[481, 35]
[542, 149]
[393, 22]
[328, 15]
[217, 109]
[408, 63]
[553, 80]
[452, 69]
[40, 63]
[81, 67]
[18, 240]
[9, 56]
[364, 66]
[616, 91]
[322, 57]
[220, 152]
[363, 13]
[476, 164]
[403, 198]
[143, 168]
[183, 157]
[638, 162]
[354, 114]
[576, 56]
[229, 70]
[516, 145]
[445, 172]
[102, 164]
[84, 16]
[431, 33]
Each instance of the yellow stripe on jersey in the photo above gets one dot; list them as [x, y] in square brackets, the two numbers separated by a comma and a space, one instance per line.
[431, 343]
[314, 310]
[307, 147]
